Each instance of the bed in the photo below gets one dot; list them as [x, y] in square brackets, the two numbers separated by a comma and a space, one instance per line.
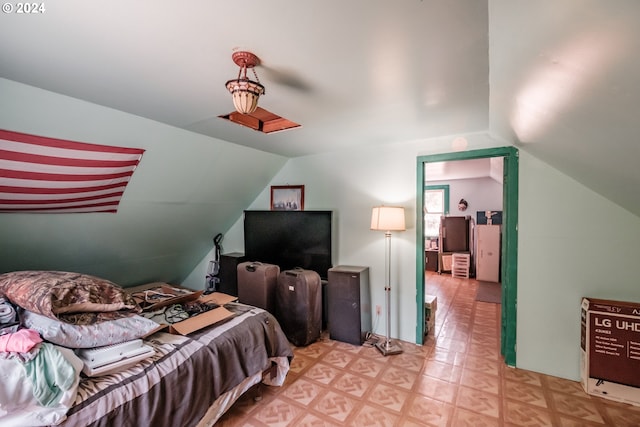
[189, 381]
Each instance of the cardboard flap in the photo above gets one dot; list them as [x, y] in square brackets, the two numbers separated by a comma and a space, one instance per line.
[218, 298]
[200, 321]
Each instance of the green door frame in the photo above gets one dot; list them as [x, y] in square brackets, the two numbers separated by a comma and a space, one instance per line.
[509, 268]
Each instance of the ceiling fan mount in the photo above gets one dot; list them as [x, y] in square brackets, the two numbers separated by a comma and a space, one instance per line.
[245, 59]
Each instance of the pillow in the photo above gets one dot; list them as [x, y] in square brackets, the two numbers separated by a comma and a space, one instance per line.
[19, 407]
[60, 294]
[89, 336]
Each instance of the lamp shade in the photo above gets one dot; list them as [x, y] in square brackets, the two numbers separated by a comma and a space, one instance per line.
[387, 218]
[245, 94]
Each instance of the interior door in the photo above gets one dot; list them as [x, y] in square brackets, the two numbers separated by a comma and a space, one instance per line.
[509, 245]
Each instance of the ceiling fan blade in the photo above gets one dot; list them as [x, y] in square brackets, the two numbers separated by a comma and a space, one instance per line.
[286, 78]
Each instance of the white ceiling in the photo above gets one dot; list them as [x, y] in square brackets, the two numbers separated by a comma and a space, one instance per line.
[351, 73]
[557, 79]
[492, 167]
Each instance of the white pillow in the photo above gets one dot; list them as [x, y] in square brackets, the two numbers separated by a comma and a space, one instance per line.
[89, 336]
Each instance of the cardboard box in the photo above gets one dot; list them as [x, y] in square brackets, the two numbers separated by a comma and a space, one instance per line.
[153, 296]
[179, 295]
[610, 349]
[207, 318]
[430, 307]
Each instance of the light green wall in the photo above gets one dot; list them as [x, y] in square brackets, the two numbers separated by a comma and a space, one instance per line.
[572, 242]
[350, 183]
[187, 188]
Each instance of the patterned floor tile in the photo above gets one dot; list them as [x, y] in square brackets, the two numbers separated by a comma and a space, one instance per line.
[408, 361]
[415, 349]
[486, 351]
[399, 377]
[452, 345]
[566, 421]
[354, 385]
[487, 313]
[465, 418]
[343, 346]
[456, 334]
[366, 367]
[244, 423]
[322, 373]
[310, 420]
[480, 364]
[336, 384]
[278, 413]
[479, 339]
[300, 362]
[338, 358]
[564, 386]
[525, 393]
[313, 351]
[303, 391]
[527, 416]
[623, 416]
[577, 407]
[488, 309]
[372, 352]
[437, 389]
[389, 397]
[369, 416]
[520, 375]
[485, 325]
[479, 401]
[430, 411]
[462, 310]
[457, 322]
[448, 357]
[480, 381]
[336, 406]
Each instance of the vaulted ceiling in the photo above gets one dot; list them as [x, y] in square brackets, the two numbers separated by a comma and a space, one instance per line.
[557, 79]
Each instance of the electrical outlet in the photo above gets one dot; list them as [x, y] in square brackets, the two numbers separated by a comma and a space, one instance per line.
[378, 310]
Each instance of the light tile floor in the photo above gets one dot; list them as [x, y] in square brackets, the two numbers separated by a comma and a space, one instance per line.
[456, 379]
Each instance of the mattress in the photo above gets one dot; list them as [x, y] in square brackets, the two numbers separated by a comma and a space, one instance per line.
[186, 375]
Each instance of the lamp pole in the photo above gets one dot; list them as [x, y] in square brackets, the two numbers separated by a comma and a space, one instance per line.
[388, 348]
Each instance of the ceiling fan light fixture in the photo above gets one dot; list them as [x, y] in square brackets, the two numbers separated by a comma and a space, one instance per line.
[245, 92]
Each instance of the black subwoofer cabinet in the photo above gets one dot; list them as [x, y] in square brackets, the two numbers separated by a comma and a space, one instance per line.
[349, 304]
[229, 272]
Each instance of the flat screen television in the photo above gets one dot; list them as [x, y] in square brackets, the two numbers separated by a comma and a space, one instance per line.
[289, 239]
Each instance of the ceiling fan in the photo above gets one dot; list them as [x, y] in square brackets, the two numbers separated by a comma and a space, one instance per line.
[246, 92]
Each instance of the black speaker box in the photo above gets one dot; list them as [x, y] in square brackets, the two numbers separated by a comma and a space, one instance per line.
[229, 272]
[349, 304]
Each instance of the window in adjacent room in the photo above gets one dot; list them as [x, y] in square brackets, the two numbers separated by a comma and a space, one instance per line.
[436, 204]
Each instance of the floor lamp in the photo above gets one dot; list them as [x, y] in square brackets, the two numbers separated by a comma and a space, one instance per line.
[388, 219]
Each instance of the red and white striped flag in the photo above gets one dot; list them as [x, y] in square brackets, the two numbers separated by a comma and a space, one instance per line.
[39, 174]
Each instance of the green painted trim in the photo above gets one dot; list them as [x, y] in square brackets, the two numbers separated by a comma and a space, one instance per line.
[446, 195]
[509, 249]
[420, 261]
[446, 198]
[510, 254]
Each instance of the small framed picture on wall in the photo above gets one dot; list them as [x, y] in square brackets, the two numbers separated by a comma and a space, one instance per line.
[287, 197]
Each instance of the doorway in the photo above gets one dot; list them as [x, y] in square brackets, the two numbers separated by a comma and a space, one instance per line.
[509, 254]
